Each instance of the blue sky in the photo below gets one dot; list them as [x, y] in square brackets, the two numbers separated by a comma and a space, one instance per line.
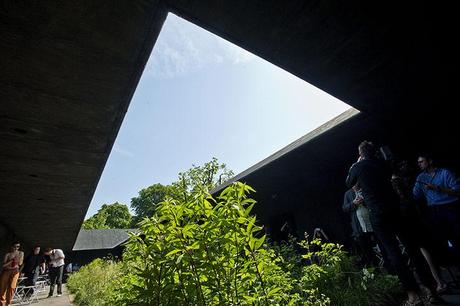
[202, 97]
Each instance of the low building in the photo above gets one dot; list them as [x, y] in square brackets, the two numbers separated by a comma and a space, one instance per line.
[98, 243]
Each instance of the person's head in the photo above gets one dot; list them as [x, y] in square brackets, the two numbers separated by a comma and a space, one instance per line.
[424, 162]
[366, 149]
[15, 246]
[48, 251]
[36, 250]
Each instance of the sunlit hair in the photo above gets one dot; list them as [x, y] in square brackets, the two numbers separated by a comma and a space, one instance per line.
[367, 149]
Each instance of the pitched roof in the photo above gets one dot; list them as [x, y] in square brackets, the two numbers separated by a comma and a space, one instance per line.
[100, 239]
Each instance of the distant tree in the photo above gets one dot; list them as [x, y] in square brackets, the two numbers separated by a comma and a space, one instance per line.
[145, 203]
[205, 177]
[114, 215]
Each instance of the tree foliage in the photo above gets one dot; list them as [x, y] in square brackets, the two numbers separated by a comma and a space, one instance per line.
[145, 203]
[114, 215]
[198, 178]
[203, 178]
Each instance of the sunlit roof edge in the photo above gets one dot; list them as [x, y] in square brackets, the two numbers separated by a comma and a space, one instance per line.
[346, 115]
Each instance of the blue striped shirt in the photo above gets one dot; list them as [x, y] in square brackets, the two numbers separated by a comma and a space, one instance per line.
[441, 177]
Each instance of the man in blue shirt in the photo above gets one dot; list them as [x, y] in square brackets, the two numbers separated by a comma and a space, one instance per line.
[441, 190]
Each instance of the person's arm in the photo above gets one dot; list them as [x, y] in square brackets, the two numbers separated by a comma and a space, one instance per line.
[21, 258]
[417, 191]
[348, 205]
[5, 259]
[452, 184]
[352, 177]
[6, 262]
[60, 254]
[324, 235]
[42, 265]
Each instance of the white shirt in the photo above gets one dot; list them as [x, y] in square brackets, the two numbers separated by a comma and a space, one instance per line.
[57, 258]
[363, 214]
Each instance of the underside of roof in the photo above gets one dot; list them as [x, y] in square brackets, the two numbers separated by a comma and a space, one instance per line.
[70, 68]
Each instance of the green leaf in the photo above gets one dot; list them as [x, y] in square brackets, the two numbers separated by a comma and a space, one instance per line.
[173, 252]
[260, 242]
[252, 242]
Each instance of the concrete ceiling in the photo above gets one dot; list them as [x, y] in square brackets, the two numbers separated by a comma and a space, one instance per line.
[69, 70]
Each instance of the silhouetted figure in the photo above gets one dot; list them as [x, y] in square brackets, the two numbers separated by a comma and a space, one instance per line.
[362, 232]
[34, 263]
[441, 189]
[414, 233]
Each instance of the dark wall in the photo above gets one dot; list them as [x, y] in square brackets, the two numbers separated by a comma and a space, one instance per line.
[85, 257]
[307, 185]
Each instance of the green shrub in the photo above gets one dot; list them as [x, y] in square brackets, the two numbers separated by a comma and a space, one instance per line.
[95, 283]
[206, 251]
[326, 269]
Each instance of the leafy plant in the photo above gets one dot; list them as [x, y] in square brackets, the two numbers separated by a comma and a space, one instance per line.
[206, 252]
[210, 251]
[94, 285]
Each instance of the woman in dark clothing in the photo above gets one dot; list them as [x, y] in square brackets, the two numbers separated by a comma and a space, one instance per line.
[362, 235]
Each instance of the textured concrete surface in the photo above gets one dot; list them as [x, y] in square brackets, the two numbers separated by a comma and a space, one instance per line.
[69, 70]
[64, 300]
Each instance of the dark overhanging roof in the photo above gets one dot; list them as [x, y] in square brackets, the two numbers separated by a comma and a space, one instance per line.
[69, 70]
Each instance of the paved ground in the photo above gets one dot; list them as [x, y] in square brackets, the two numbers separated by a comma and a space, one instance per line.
[63, 300]
[454, 297]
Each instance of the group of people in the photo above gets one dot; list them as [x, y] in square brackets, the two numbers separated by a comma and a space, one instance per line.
[14, 264]
[384, 202]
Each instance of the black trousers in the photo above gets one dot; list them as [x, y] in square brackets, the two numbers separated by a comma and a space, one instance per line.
[364, 244]
[409, 234]
[385, 230]
[445, 220]
[56, 278]
[32, 276]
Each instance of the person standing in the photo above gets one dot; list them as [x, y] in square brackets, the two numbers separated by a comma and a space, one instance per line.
[33, 265]
[374, 178]
[10, 273]
[362, 232]
[441, 189]
[56, 269]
